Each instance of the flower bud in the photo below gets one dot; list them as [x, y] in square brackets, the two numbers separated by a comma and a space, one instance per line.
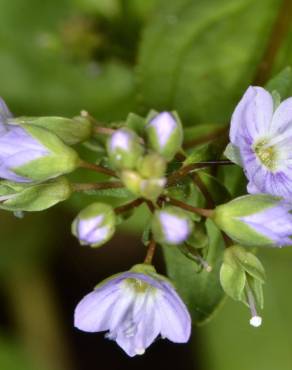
[171, 225]
[152, 166]
[256, 220]
[165, 134]
[152, 188]
[146, 188]
[94, 225]
[33, 154]
[132, 181]
[70, 131]
[124, 149]
[25, 197]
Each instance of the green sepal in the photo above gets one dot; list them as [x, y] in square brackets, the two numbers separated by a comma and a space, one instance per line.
[136, 123]
[70, 131]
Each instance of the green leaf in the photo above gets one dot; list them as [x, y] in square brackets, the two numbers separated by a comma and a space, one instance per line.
[251, 264]
[282, 83]
[200, 58]
[200, 291]
[232, 278]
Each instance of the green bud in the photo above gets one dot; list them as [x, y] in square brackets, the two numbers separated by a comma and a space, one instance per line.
[24, 197]
[165, 134]
[171, 225]
[132, 181]
[95, 224]
[152, 166]
[152, 188]
[70, 131]
[124, 149]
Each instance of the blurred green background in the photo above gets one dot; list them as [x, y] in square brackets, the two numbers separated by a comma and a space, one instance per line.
[111, 57]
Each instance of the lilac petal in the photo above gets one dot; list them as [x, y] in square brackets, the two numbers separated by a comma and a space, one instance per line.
[4, 111]
[164, 124]
[282, 118]
[252, 116]
[275, 223]
[18, 148]
[140, 328]
[93, 312]
[174, 317]
[252, 188]
[91, 231]
[175, 228]
[120, 139]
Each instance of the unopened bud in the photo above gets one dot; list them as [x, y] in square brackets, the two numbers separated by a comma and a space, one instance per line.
[152, 166]
[124, 149]
[256, 220]
[94, 225]
[171, 225]
[165, 134]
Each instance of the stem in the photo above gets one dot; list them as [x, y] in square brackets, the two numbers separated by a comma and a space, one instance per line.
[185, 170]
[128, 206]
[103, 130]
[97, 186]
[150, 206]
[199, 211]
[97, 168]
[150, 252]
[278, 33]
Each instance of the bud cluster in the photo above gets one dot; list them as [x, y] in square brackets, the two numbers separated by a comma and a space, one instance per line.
[142, 161]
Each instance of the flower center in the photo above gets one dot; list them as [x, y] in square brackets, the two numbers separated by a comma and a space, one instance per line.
[138, 285]
[266, 153]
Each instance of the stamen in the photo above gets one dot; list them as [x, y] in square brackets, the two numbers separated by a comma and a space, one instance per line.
[255, 320]
[266, 152]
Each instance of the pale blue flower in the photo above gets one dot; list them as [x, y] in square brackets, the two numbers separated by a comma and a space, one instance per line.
[261, 136]
[134, 308]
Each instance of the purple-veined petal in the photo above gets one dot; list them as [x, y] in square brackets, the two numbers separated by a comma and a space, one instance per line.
[252, 116]
[282, 118]
[174, 316]
[140, 327]
[274, 223]
[93, 312]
